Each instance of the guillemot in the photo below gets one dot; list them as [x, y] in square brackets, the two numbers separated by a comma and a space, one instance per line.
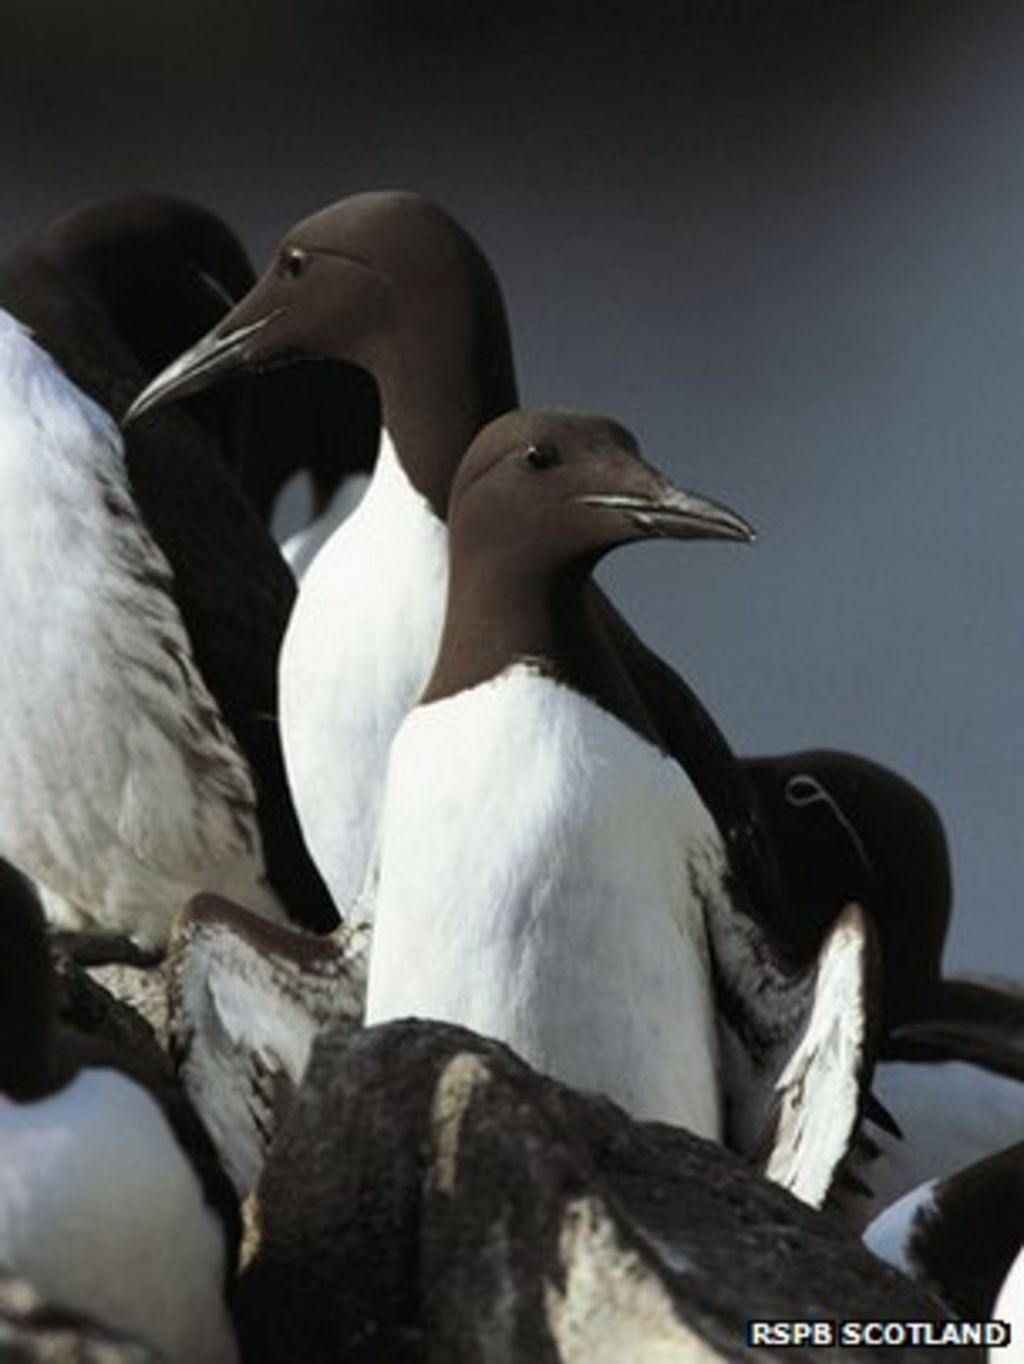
[142, 759]
[391, 283]
[958, 1235]
[951, 1051]
[101, 1206]
[542, 861]
[548, 874]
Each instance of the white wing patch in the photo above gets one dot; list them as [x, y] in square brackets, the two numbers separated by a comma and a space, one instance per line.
[247, 999]
[797, 1048]
[820, 1089]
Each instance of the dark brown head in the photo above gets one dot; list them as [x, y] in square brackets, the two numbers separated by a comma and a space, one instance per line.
[554, 488]
[345, 284]
[392, 284]
[27, 991]
[539, 498]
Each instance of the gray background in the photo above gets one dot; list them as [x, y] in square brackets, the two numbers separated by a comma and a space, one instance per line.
[784, 242]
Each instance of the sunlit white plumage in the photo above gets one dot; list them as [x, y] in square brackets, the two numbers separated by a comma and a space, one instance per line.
[359, 647]
[101, 1211]
[121, 790]
[542, 869]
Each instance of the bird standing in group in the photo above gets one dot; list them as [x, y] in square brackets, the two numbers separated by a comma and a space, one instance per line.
[546, 865]
[140, 761]
[110, 1200]
[391, 283]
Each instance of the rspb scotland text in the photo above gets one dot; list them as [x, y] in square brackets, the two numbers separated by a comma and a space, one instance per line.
[936, 1335]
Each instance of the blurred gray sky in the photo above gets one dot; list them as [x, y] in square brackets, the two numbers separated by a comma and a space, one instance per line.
[784, 242]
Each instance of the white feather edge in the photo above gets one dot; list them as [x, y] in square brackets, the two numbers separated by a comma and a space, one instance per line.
[795, 1047]
[245, 1007]
[821, 1087]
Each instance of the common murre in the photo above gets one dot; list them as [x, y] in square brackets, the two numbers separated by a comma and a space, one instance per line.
[542, 862]
[548, 874]
[145, 603]
[951, 1050]
[387, 282]
[101, 1206]
[392, 283]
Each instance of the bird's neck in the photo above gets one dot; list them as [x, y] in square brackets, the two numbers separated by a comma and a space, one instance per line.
[499, 615]
[438, 387]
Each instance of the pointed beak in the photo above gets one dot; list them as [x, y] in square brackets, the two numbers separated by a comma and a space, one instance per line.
[208, 360]
[669, 511]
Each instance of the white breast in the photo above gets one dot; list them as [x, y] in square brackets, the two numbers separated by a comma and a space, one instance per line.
[121, 790]
[359, 648]
[101, 1211]
[541, 877]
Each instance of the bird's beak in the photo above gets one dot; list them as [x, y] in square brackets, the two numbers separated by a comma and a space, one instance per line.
[217, 354]
[664, 510]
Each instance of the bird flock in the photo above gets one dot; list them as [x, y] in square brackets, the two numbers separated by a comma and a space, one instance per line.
[412, 763]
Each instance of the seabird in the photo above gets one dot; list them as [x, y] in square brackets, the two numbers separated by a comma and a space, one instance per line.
[958, 1235]
[101, 1205]
[389, 282]
[392, 284]
[951, 1053]
[144, 602]
[542, 861]
[548, 874]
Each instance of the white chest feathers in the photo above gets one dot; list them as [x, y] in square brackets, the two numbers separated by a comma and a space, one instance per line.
[543, 875]
[359, 647]
[101, 1211]
[121, 790]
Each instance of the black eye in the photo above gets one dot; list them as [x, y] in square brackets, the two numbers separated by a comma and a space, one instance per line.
[292, 261]
[541, 456]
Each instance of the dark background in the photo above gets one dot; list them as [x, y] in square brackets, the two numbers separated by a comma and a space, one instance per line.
[784, 242]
